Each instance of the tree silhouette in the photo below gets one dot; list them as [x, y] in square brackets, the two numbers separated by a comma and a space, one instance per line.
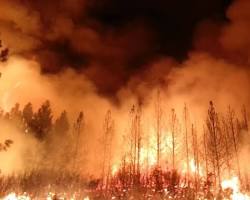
[42, 121]
[216, 142]
[61, 126]
[27, 115]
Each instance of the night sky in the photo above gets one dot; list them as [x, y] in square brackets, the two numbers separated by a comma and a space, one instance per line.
[172, 22]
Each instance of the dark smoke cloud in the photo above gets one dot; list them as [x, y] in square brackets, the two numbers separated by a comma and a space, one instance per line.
[110, 41]
[228, 39]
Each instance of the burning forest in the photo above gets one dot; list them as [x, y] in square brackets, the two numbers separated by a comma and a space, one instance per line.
[124, 100]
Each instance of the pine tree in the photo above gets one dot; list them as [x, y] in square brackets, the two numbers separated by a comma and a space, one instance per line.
[27, 113]
[42, 121]
[108, 128]
[16, 116]
[61, 125]
[77, 130]
[216, 142]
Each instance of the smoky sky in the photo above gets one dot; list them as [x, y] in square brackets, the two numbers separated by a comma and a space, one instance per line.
[109, 40]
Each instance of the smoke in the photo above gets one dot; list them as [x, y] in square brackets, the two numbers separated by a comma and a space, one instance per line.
[19, 156]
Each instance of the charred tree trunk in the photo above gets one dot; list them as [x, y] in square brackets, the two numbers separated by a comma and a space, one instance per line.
[215, 141]
[158, 127]
[234, 136]
[205, 150]
[77, 129]
[135, 144]
[196, 158]
[173, 132]
[186, 142]
[227, 146]
[107, 149]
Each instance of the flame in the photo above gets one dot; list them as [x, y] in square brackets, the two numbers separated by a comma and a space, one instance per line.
[13, 196]
[233, 184]
[194, 168]
[114, 169]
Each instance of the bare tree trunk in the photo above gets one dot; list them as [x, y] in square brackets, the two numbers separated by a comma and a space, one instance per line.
[214, 129]
[216, 153]
[205, 150]
[77, 128]
[136, 144]
[158, 126]
[245, 126]
[226, 138]
[132, 144]
[233, 132]
[245, 120]
[173, 127]
[138, 123]
[196, 160]
[135, 148]
[107, 137]
[186, 143]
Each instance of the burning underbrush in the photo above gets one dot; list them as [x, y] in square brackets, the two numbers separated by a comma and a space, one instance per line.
[157, 184]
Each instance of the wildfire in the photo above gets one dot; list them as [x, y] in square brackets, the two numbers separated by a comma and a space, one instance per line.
[233, 184]
[14, 196]
[195, 168]
[114, 170]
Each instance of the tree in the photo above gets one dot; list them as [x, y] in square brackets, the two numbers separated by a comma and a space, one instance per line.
[185, 113]
[158, 113]
[16, 115]
[27, 115]
[216, 142]
[135, 144]
[173, 125]
[232, 121]
[228, 144]
[61, 126]
[195, 147]
[108, 128]
[42, 121]
[28, 112]
[78, 126]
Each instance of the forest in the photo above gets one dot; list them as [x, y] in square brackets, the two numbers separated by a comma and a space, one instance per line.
[177, 159]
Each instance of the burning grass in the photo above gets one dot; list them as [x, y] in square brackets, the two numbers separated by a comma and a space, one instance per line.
[157, 184]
